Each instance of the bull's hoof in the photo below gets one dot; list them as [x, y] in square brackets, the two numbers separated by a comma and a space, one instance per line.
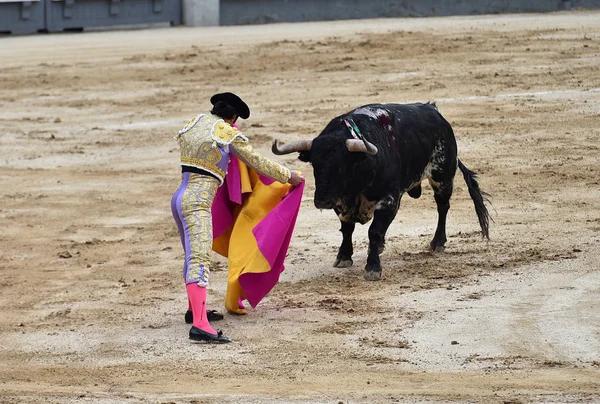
[372, 275]
[437, 248]
[341, 263]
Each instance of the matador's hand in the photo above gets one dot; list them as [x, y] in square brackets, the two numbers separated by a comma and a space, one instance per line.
[296, 178]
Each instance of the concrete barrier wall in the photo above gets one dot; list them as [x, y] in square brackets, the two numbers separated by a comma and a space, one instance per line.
[238, 12]
[81, 14]
[31, 16]
[24, 16]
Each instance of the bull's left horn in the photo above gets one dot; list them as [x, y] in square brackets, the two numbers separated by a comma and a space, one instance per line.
[297, 146]
[361, 146]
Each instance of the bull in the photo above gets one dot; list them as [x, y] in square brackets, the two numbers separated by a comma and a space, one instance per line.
[366, 159]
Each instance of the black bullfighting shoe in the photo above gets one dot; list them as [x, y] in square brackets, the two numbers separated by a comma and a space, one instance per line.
[189, 317]
[197, 334]
[211, 315]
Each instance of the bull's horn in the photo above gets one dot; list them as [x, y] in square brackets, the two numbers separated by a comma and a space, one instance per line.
[297, 146]
[361, 146]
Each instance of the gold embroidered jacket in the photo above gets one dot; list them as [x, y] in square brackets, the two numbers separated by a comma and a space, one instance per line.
[207, 140]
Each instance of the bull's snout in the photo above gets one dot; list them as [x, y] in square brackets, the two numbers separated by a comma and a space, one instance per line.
[324, 204]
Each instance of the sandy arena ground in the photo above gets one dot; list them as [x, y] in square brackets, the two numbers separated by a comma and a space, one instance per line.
[91, 292]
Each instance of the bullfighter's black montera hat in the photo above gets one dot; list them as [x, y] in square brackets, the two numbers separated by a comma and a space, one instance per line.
[236, 102]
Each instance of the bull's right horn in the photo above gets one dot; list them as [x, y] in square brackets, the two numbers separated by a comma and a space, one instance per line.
[297, 146]
[361, 146]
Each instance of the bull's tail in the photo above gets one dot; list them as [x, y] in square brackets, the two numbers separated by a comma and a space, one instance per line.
[479, 199]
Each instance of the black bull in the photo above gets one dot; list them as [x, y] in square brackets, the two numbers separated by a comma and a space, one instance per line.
[366, 159]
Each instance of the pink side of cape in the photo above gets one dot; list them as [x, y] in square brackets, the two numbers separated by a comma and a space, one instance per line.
[228, 196]
[273, 235]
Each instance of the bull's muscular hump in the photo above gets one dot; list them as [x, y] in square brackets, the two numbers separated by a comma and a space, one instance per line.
[366, 159]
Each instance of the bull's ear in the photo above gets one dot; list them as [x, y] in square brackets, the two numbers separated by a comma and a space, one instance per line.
[304, 156]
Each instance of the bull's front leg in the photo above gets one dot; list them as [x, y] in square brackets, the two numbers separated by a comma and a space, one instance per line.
[384, 215]
[344, 257]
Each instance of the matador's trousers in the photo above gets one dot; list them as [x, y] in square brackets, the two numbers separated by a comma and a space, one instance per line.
[191, 208]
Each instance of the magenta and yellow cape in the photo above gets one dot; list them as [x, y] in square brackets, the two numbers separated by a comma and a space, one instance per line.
[253, 221]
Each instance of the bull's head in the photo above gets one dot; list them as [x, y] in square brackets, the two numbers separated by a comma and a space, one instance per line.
[332, 163]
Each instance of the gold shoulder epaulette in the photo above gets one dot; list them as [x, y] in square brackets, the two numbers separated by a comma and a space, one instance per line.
[224, 133]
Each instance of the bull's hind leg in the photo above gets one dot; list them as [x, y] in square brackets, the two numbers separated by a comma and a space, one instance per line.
[344, 257]
[442, 191]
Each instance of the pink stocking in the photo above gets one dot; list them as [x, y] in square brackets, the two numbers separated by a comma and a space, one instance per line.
[197, 297]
